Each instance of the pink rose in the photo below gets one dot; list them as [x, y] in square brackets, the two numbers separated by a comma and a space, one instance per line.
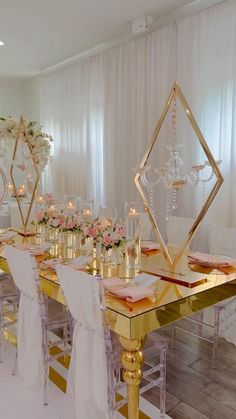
[71, 224]
[39, 216]
[107, 240]
[91, 232]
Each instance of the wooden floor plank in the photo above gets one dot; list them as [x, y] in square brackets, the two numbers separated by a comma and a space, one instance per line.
[198, 400]
[226, 377]
[183, 411]
[187, 375]
[225, 395]
[153, 396]
[195, 390]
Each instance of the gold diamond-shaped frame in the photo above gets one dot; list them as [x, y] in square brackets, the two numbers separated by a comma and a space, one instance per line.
[22, 132]
[176, 90]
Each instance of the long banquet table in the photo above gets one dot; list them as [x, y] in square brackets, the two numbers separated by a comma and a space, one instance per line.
[133, 321]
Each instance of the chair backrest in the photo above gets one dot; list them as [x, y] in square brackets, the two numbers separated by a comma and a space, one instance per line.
[146, 227]
[31, 314]
[23, 269]
[90, 394]
[222, 240]
[177, 229]
[82, 292]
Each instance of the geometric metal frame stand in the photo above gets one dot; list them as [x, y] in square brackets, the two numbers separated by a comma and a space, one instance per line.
[22, 132]
[176, 91]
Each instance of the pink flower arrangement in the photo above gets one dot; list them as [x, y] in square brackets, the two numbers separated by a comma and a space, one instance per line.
[108, 236]
[40, 217]
[112, 236]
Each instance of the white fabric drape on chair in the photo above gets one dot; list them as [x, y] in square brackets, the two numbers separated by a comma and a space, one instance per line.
[87, 388]
[29, 327]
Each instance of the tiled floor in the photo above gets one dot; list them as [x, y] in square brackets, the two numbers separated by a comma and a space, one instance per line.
[194, 389]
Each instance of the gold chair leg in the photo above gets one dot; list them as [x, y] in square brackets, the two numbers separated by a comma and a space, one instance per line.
[132, 361]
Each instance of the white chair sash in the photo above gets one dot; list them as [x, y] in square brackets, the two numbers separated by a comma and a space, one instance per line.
[87, 386]
[29, 326]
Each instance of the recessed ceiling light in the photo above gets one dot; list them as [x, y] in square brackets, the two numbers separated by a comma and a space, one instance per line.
[1, 43]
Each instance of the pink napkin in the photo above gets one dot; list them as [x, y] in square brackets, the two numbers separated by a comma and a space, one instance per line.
[36, 250]
[210, 260]
[79, 263]
[120, 289]
[7, 236]
[148, 245]
[51, 263]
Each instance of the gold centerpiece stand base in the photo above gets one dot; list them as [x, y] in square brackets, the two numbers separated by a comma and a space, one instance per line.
[23, 233]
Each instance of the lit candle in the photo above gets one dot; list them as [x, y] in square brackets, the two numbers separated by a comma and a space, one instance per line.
[70, 207]
[21, 190]
[41, 199]
[52, 211]
[87, 213]
[132, 211]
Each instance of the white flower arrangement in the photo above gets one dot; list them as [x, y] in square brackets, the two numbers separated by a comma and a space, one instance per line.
[39, 140]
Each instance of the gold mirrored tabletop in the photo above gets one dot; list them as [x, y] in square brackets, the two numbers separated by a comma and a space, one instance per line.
[172, 301]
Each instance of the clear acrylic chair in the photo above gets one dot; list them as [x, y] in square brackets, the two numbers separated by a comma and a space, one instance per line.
[221, 241]
[37, 316]
[9, 299]
[96, 354]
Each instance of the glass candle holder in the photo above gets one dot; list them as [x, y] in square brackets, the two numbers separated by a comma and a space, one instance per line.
[70, 204]
[132, 228]
[107, 215]
[86, 209]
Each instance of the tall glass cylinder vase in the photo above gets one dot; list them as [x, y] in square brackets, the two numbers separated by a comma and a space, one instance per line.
[86, 246]
[132, 228]
[69, 239]
[41, 233]
[53, 234]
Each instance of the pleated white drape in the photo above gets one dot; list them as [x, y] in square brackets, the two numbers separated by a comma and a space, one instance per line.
[102, 111]
[72, 110]
[206, 54]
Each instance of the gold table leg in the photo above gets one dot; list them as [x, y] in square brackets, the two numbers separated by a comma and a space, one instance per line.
[132, 361]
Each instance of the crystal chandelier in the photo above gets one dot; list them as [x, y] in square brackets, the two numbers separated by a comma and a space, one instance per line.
[172, 174]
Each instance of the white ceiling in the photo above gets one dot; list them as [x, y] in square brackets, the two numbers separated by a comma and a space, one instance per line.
[41, 33]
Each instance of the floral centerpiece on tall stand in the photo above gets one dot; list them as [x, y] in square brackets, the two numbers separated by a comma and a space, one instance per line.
[29, 150]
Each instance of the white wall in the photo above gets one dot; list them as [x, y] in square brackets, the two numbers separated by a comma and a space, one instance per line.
[20, 97]
[10, 97]
[31, 98]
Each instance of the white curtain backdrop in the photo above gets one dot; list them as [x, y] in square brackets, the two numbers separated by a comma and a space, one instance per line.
[206, 54]
[72, 110]
[102, 111]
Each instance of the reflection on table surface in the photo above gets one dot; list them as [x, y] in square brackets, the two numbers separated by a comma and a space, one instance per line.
[172, 301]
